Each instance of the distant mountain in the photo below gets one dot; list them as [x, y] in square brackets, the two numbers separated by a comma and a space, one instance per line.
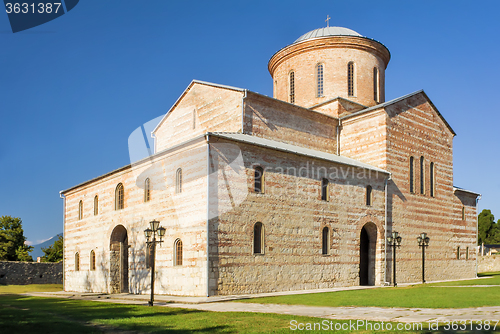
[37, 251]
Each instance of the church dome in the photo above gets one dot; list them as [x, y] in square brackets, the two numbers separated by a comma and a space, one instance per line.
[328, 31]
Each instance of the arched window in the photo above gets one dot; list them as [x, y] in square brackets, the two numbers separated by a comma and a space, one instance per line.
[412, 175]
[376, 79]
[178, 181]
[463, 212]
[325, 241]
[369, 195]
[422, 176]
[96, 205]
[319, 80]
[258, 239]
[325, 189]
[292, 87]
[431, 179]
[466, 253]
[92, 260]
[80, 210]
[178, 252]
[77, 261]
[119, 197]
[259, 180]
[350, 79]
[147, 190]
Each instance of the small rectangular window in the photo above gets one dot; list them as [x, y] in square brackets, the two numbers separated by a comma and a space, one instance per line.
[458, 253]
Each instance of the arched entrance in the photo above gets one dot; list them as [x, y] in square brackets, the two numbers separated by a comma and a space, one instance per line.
[118, 260]
[367, 251]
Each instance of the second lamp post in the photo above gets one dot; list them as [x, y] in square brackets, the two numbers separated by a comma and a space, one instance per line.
[151, 234]
[394, 241]
[423, 241]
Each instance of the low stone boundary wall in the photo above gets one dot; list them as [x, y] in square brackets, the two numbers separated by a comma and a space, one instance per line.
[488, 263]
[21, 273]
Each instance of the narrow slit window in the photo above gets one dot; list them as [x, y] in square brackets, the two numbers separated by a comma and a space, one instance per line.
[80, 210]
[412, 175]
[178, 252]
[77, 261]
[369, 195]
[376, 96]
[119, 197]
[96, 205]
[259, 180]
[350, 79]
[147, 190]
[325, 186]
[92, 260]
[458, 253]
[319, 80]
[325, 241]
[257, 239]
[422, 176]
[194, 119]
[431, 179]
[463, 212]
[292, 87]
[467, 253]
[178, 181]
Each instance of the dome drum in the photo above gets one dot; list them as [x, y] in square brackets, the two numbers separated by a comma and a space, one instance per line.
[362, 83]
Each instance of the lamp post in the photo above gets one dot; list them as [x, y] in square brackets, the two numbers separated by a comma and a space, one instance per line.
[394, 241]
[423, 241]
[151, 234]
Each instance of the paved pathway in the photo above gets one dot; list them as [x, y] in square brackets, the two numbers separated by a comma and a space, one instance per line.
[222, 304]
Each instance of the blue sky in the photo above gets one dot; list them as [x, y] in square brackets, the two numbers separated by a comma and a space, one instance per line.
[73, 90]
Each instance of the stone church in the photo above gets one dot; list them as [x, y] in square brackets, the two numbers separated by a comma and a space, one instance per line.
[290, 192]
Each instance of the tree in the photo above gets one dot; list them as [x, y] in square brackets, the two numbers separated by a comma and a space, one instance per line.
[54, 253]
[488, 230]
[12, 240]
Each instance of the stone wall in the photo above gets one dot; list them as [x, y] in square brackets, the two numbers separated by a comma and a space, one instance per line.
[487, 264]
[20, 273]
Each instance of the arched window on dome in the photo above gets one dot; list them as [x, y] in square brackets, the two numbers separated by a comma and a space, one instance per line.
[292, 87]
[376, 80]
[350, 79]
[319, 80]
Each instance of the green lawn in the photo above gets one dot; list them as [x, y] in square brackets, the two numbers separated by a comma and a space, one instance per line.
[23, 314]
[416, 296]
[494, 280]
[30, 288]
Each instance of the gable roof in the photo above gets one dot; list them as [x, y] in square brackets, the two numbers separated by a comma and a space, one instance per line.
[284, 147]
[399, 99]
[187, 90]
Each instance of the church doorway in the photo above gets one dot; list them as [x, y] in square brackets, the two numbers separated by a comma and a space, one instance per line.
[367, 243]
[118, 260]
